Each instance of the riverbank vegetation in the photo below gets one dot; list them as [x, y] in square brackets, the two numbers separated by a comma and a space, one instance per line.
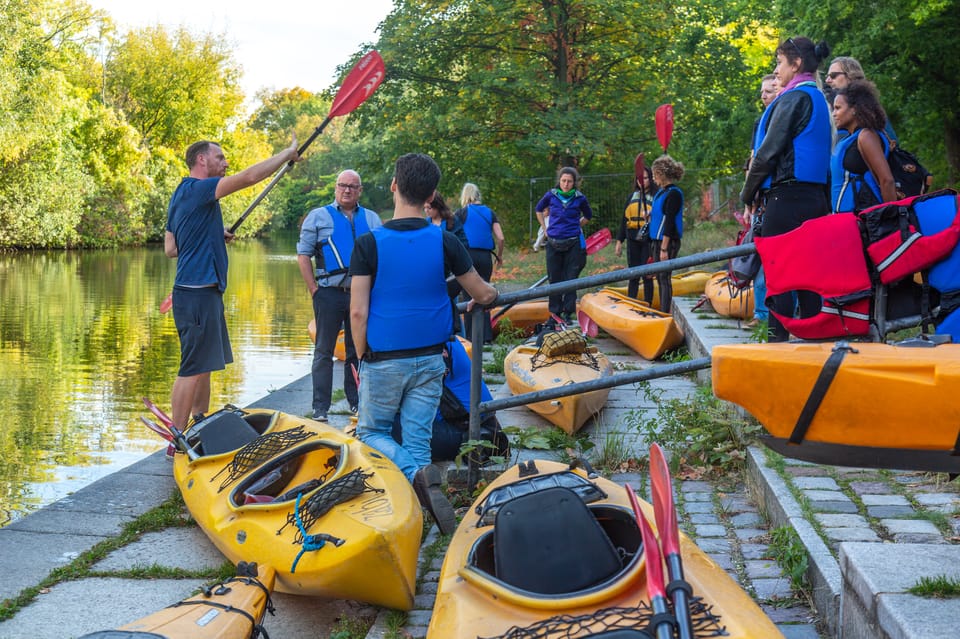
[94, 121]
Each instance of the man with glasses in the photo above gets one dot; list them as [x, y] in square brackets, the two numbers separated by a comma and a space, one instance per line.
[327, 236]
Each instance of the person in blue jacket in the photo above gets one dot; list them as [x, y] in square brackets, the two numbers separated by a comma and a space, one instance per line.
[401, 320]
[327, 235]
[485, 239]
[568, 211]
[666, 222]
[791, 160]
[860, 176]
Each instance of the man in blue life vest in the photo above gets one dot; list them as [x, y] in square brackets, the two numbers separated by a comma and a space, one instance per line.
[196, 236]
[327, 235]
[400, 317]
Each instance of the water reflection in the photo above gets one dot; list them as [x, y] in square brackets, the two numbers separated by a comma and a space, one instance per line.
[81, 340]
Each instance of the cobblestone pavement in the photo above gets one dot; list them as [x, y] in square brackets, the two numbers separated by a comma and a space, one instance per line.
[859, 504]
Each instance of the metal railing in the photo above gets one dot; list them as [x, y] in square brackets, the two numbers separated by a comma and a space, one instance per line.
[477, 318]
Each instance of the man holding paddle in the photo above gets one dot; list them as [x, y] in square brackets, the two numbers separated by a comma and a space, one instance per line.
[401, 319]
[327, 236]
[196, 236]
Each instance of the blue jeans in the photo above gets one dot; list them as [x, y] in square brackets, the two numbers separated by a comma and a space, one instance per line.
[759, 295]
[410, 386]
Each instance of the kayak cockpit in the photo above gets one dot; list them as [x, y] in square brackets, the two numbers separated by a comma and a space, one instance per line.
[548, 543]
[298, 471]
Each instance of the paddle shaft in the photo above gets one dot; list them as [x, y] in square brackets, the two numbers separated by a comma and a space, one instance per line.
[283, 170]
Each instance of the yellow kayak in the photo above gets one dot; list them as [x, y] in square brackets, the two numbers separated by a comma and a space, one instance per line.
[689, 283]
[233, 609]
[525, 375]
[332, 516]
[727, 299]
[887, 406]
[523, 316]
[647, 331]
[530, 560]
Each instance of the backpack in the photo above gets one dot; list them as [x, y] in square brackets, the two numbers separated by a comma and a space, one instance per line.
[743, 269]
[909, 175]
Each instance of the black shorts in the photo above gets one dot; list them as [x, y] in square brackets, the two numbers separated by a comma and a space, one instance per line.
[204, 343]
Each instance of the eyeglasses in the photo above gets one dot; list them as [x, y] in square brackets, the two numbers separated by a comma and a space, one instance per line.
[349, 187]
[833, 75]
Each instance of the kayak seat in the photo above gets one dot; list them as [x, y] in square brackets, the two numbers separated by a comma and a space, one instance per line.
[224, 431]
[550, 543]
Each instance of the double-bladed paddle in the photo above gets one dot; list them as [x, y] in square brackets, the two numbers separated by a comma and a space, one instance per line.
[178, 439]
[666, 515]
[662, 621]
[359, 85]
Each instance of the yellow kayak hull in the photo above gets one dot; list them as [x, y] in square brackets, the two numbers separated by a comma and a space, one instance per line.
[567, 413]
[883, 396]
[689, 283]
[523, 316]
[473, 602]
[379, 530]
[647, 331]
[214, 616]
[728, 300]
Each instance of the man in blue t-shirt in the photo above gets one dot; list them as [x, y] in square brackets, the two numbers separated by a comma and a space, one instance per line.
[196, 236]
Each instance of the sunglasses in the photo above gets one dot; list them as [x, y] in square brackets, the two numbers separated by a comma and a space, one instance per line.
[833, 75]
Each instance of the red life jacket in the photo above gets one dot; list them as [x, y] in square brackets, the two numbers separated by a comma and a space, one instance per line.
[825, 256]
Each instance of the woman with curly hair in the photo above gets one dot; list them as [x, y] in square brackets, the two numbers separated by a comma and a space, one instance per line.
[791, 160]
[859, 174]
[666, 221]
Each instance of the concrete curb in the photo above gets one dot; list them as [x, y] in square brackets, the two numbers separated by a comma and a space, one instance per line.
[781, 507]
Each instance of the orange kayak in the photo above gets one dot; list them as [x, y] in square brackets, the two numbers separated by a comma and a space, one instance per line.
[689, 283]
[887, 406]
[646, 330]
[727, 299]
[523, 316]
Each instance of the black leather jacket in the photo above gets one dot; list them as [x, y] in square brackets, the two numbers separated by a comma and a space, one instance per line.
[775, 157]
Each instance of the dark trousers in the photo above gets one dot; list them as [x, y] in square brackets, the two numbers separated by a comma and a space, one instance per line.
[664, 280]
[483, 262]
[562, 266]
[786, 208]
[638, 253]
[331, 310]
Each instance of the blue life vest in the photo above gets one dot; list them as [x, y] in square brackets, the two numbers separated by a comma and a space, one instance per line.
[409, 306]
[337, 249]
[478, 225]
[844, 185]
[657, 219]
[458, 379]
[811, 147]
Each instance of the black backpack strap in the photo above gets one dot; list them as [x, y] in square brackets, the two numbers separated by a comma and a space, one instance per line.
[820, 388]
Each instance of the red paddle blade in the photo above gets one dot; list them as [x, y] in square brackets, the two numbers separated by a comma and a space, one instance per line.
[157, 428]
[650, 548]
[598, 240]
[640, 171]
[165, 419]
[663, 117]
[167, 303]
[359, 84]
[663, 509]
[587, 326]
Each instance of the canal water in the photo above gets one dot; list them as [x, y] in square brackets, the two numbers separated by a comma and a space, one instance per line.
[82, 340]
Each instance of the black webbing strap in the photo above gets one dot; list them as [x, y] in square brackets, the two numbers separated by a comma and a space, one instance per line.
[820, 388]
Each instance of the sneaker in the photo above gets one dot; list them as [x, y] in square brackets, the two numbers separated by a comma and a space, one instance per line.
[320, 415]
[426, 484]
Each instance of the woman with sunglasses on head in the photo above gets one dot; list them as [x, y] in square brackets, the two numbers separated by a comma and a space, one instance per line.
[842, 71]
[791, 159]
[859, 174]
